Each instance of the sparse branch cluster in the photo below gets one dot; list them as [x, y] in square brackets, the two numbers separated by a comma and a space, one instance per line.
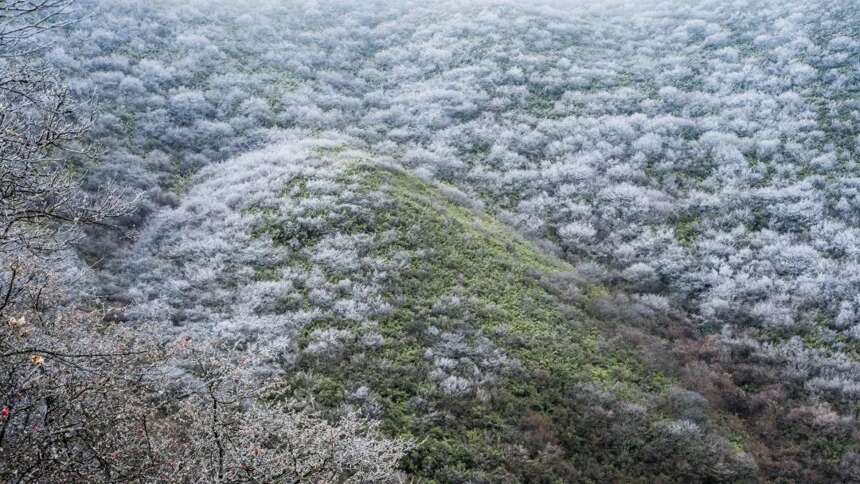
[22, 21]
[42, 208]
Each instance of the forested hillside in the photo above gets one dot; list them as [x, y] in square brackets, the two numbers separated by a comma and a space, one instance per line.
[603, 241]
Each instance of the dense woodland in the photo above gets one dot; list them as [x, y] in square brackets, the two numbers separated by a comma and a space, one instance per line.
[485, 241]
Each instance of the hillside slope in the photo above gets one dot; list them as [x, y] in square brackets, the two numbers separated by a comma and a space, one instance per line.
[673, 290]
[359, 285]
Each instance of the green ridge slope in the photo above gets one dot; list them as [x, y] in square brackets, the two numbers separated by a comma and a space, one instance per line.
[543, 390]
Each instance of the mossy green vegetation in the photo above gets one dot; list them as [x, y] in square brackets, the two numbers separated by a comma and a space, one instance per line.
[498, 271]
[481, 362]
[686, 232]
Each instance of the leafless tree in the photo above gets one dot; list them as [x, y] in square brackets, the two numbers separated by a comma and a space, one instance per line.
[231, 436]
[42, 209]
